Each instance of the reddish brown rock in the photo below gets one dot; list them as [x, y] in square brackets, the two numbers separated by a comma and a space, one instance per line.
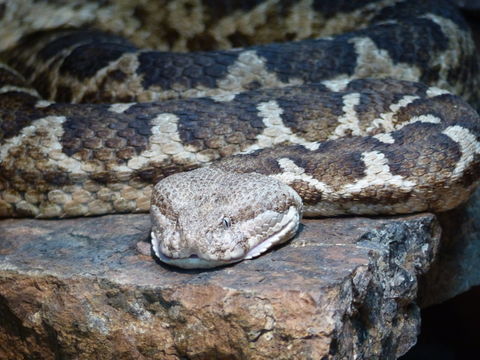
[342, 289]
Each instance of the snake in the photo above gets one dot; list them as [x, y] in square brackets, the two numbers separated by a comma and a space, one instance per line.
[231, 120]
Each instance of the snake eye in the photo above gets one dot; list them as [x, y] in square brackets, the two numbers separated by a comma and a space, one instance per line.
[226, 222]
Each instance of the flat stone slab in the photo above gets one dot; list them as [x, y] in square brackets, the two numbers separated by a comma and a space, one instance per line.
[342, 289]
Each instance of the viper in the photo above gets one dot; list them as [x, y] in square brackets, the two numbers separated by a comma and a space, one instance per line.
[278, 110]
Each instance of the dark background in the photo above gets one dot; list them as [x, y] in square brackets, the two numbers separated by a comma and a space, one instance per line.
[451, 330]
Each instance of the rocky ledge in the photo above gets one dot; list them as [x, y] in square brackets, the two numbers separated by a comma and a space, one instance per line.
[343, 288]
[456, 267]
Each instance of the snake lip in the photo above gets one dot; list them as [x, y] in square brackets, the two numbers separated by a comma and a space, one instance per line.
[191, 262]
[288, 228]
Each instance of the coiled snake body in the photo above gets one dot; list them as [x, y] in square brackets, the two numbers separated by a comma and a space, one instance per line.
[317, 127]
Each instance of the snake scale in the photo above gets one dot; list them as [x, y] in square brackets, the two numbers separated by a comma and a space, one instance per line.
[286, 107]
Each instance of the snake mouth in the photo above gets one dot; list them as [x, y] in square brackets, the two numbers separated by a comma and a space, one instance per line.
[191, 262]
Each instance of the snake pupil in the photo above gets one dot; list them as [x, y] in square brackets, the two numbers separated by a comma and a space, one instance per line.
[226, 222]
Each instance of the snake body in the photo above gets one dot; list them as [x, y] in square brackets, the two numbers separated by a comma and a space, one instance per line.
[369, 121]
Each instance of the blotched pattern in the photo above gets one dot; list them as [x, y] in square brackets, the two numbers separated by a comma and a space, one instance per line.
[90, 122]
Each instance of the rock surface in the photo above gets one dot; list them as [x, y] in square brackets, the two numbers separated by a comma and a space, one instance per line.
[457, 266]
[342, 289]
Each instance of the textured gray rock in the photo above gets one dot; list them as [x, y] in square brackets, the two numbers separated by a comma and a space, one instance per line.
[457, 265]
[342, 289]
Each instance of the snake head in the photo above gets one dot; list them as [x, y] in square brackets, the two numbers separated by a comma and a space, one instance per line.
[209, 217]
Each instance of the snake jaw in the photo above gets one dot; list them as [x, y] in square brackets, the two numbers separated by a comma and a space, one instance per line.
[280, 233]
[191, 262]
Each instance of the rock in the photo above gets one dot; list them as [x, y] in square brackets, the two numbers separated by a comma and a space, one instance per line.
[342, 289]
[457, 266]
